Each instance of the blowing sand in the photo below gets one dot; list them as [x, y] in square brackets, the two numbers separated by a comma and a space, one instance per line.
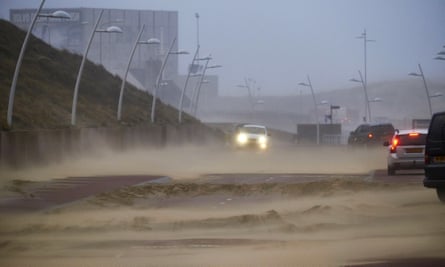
[329, 222]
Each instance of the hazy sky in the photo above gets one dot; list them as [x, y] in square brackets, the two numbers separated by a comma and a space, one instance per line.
[277, 43]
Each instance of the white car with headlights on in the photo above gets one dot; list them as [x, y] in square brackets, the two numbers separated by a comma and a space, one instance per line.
[251, 136]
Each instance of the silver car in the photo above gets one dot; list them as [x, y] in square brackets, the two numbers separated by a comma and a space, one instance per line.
[406, 150]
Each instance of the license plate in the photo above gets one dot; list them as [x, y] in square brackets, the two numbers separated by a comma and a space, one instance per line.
[440, 159]
[414, 150]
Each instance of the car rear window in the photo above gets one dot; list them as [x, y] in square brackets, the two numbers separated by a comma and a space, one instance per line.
[437, 128]
[383, 128]
[406, 140]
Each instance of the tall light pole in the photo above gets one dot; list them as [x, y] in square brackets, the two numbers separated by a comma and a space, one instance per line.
[160, 74]
[365, 41]
[309, 84]
[426, 87]
[111, 29]
[57, 14]
[248, 86]
[367, 106]
[197, 31]
[181, 100]
[201, 81]
[136, 43]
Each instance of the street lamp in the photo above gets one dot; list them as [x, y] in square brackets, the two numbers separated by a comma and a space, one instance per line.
[181, 100]
[309, 84]
[365, 41]
[111, 29]
[57, 14]
[426, 87]
[247, 85]
[161, 71]
[201, 81]
[136, 43]
[367, 106]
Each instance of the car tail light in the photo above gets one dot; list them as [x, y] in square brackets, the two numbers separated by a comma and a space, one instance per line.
[414, 134]
[394, 144]
[370, 135]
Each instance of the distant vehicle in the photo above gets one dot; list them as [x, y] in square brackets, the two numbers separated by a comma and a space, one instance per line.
[250, 136]
[406, 150]
[435, 155]
[371, 134]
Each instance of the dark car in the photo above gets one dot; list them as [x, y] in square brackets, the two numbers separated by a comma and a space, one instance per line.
[435, 155]
[371, 134]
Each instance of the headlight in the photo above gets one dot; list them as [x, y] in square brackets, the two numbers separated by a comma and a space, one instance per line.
[262, 140]
[241, 138]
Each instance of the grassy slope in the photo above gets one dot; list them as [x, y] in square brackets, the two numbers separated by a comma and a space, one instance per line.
[45, 87]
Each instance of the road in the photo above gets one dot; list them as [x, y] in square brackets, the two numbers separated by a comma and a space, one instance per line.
[58, 192]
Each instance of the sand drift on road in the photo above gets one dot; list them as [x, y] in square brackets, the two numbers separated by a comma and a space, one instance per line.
[339, 217]
[191, 161]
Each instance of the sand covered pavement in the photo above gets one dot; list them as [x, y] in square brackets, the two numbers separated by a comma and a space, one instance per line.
[192, 220]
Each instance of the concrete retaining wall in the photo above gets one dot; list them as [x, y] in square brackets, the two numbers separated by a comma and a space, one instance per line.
[19, 148]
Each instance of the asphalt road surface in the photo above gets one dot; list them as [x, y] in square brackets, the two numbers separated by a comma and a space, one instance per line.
[63, 191]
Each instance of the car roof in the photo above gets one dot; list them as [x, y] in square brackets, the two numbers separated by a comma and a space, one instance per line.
[253, 125]
[376, 124]
[420, 131]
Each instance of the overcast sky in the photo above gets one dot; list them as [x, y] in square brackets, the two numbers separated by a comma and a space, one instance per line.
[277, 43]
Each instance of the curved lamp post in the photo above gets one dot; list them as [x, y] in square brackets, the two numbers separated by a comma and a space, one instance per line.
[426, 87]
[365, 89]
[57, 14]
[193, 97]
[309, 84]
[159, 78]
[202, 81]
[364, 36]
[136, 43]
[181, 100]
[110, 29]
[248, 86]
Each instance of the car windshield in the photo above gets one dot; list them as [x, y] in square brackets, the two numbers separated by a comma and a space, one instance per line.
[253, 130]
[413, 140]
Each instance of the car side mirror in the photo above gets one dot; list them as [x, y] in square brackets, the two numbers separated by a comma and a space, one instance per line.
[386, 143]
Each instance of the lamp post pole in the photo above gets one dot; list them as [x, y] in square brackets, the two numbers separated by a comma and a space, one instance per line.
[200, 84]
[133, 50]
[79, 75]
[57, 14]
[426, 87]
[367, 106]
[365, 89]
[181, 101]
[309, 84]
[158, 79]
[426, 90]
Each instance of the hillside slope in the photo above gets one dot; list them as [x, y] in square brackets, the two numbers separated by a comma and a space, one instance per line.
[45, 88]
